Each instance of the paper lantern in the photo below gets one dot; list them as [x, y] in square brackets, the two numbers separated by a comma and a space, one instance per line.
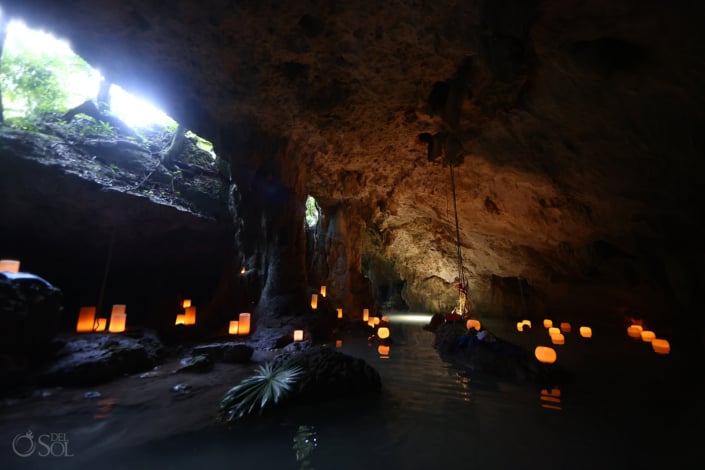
[661, 346]
[527, 323]
[648, 336]
[545, 354]
[86, 320]
[9, 266]
[371, 322]
[119, 308]
[338, 343]
[376, 320]
[383, 350]
[100, 324]
[365, 314]
[314, 301]
[244, 325]
[190, 316]
[634, 331]
[558, 339]
[554, 331]
[186, 303]
[233, 327]
[547, 323]
[383, 332]
[298, 335]
[340, 312]
[472, 323]
[520, 326]
[323, 291]
[385, 319]
[586, 332]
[117, 322]
[180, 319]
[565, 327]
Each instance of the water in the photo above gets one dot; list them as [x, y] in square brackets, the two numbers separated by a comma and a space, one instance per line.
[617, 412]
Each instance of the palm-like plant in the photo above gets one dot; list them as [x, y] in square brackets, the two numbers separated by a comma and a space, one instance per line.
[270, 383]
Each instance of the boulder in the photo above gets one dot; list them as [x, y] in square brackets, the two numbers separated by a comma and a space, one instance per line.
[225, 352]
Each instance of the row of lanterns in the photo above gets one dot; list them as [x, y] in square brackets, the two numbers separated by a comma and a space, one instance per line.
[659, 345]
[89, 323]
[547, 354]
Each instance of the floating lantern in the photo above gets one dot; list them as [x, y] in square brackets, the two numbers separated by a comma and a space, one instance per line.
[314, 301]
[340, 312]
[323, 291]
[385, 319]
[554, 331]
[233, 327]
[634, 331]
[376, 320]
[661, 346]
[648, 336]
[526, 323]
[180, 319]
[100, 324]
[545, 354]
[338, 343]
[547, 323]
[383, 332]
[244, 325]
[118, 318]
[190, 316]
[586, 332]
[186, 303]
[371, 322]
[565, 327]
[472, 323]
[365, 314]
[9, 266]
[298, 335]
[86, 320]
[558, 339]
[520, 326]
[383, 350]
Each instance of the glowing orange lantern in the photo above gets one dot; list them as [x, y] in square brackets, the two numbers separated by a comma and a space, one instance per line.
[118, 318]
[558, 339]
[385, 319]
[554, 331]
[383, 332]
[365, 314]
[565, 327]
[586, 332]
[547, 323]
[634, 331]
[180, 319]
[233, 327]
[661, 346]
[186, 303]
[376, 320]
[298, 335]
[190, 316]
[86, 320]
[473, 324]
[243, 270]
[100, 324]
[648, 336]
[338, 343]
[383, 350]
[526, 323]
[244, 325]
[371, 322]
[314, 301]
[323, 291]
[9, 266]
[545, 354]
[340, 313]
[520, 326]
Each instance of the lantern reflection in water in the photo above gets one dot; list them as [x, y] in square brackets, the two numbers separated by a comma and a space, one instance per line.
[565, 327]
[551, 398]
[383, 351]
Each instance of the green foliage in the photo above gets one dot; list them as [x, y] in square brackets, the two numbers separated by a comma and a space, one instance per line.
[270, 383]
[312, 212]
[201, 143]
[305, 442]
[94, 128]
[33, 82]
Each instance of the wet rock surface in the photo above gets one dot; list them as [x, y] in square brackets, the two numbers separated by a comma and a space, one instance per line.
[226, 352]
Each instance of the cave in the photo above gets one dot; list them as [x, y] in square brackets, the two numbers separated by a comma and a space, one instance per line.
[385, 173]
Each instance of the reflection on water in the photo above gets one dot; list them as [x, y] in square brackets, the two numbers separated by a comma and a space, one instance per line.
[433, 415]
[105, 406]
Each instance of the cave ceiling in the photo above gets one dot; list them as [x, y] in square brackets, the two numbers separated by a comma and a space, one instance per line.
[580, 123]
